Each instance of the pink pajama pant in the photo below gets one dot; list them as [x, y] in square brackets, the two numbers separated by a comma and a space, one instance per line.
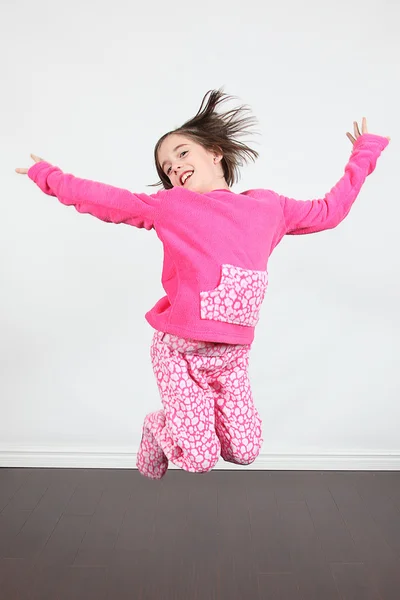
[208, 409]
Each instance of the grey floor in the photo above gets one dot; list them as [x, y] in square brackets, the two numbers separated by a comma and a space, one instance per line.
[107, 533]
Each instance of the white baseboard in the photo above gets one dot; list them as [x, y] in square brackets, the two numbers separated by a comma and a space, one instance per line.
[126, 459]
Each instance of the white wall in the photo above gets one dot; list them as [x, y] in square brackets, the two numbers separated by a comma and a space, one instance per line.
[91, 86]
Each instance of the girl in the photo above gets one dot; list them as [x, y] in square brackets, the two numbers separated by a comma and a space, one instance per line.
[216, 249]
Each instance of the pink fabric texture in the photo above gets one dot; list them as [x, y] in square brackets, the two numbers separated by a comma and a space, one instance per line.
[208, 409]
[237, 299]
[217, 244]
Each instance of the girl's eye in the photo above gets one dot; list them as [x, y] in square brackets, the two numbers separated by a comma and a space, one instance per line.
[183, 152]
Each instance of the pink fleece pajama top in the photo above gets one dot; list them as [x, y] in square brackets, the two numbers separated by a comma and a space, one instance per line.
[216, 244]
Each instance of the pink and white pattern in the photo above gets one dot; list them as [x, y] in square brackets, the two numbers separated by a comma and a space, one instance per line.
[208, 408]
[237, 299]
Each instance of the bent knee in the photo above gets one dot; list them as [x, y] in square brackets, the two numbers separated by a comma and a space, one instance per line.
[247, 458]
[243, 454]
[203, 459]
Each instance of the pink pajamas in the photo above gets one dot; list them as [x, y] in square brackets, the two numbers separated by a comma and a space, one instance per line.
[208, 408]
[216, 250]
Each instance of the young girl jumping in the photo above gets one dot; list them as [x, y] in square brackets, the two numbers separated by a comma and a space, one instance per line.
[216, 248]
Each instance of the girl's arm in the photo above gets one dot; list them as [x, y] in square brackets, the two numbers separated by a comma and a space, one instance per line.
[108, 203]
[310, 216]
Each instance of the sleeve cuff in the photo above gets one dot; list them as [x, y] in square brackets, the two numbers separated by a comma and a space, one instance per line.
[368, 138]
[36, 168]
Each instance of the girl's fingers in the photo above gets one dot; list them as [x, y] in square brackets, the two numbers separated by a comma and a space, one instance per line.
[350, 137]
[364, 125]
[356, 130]
[25, 171]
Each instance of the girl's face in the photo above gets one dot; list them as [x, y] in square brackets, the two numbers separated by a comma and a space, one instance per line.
[178, 154]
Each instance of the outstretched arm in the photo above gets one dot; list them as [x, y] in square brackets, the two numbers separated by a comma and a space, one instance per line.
[310, 216]
[106, 202]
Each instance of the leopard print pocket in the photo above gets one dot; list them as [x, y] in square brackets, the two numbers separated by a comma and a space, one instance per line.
[238, 297]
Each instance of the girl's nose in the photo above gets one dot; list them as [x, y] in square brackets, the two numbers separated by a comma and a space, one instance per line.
[177, 170]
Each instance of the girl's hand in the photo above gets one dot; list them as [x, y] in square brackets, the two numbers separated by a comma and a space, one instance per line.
[24, 171]
[357, 131]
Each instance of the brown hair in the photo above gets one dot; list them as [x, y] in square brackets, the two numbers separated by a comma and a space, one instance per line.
[215, 132]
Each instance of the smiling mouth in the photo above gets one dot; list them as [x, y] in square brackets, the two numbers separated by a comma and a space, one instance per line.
[187, 178]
